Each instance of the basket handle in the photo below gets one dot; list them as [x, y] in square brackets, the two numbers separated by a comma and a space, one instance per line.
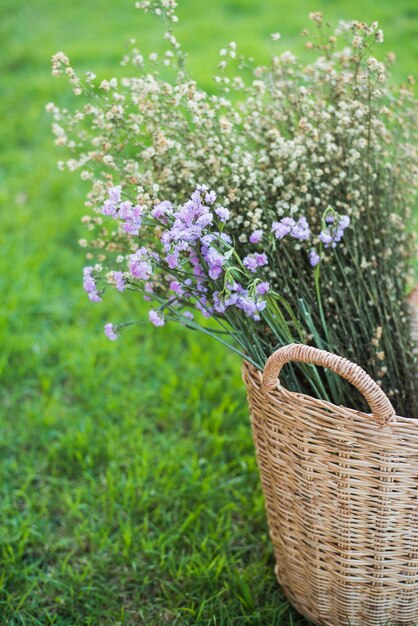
[381, 408]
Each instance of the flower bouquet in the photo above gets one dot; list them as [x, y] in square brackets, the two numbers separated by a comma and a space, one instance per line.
[274, 211]
[277, 207]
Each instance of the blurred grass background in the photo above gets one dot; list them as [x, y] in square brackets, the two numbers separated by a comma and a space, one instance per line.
[129, 492]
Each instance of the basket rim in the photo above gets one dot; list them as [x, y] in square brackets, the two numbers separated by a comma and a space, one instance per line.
[280, 390]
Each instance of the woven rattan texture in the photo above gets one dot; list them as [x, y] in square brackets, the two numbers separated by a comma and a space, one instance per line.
[341, 494]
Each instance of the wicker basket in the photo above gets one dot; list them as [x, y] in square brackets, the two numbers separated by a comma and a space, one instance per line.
[341, 494]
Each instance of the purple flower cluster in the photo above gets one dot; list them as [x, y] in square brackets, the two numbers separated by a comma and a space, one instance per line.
[192, 239]
[90, 285]
[223, 214]
[140, 264]
[188, 235]
[130, 215]
[215, 261]
[162, 210]
[288, 226]
[119, 281]
[256, 236]
[156, 318]
[110, 205]
[240, 298]
[300, 229]
[314, 257]
[111, 331]
[189, 261]
[253, 261]
[333, 234]
[189, 224]
[194, 261]
[262, 288]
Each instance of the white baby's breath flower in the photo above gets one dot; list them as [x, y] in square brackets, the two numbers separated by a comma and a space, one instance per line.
[316, 16]
[288, 57]
[108, 159]
[357, 41]
[372, 64]
[379, 36]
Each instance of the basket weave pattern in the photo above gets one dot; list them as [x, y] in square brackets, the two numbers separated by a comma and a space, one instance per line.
[341, 494]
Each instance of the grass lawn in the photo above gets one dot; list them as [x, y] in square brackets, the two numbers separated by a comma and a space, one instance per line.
[129, 491]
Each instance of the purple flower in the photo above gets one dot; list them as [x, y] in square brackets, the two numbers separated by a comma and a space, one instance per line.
[215, 271]
[176, 287]
[344, 222]
[125, 209]
[156, 318]
[172, 259]
[334, 233]
[94, 296]
[223, 214]
[253, 261]
[261, 305]
[111, 331]
[210, 197]
[215, 261]
[188, 314]
[197, 194]
[197, 267]
[135, 219]
[262, 288]
[225, 237]
[218, 304]
[132, 216]
[256, 236]
[250, 263]
[140, 269]
[139, 266]
[119, 281]
[114, 194]
[314, 257]
[190, 220]
[248, 305]
[109, 208]
[161, 209]
[282, 228]
[204, 220]
[234, 286]
[89, 284]
[326, 238]
[301, 229]
[288, 226]
[232, 299]
[207, 239]
[261, 259]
